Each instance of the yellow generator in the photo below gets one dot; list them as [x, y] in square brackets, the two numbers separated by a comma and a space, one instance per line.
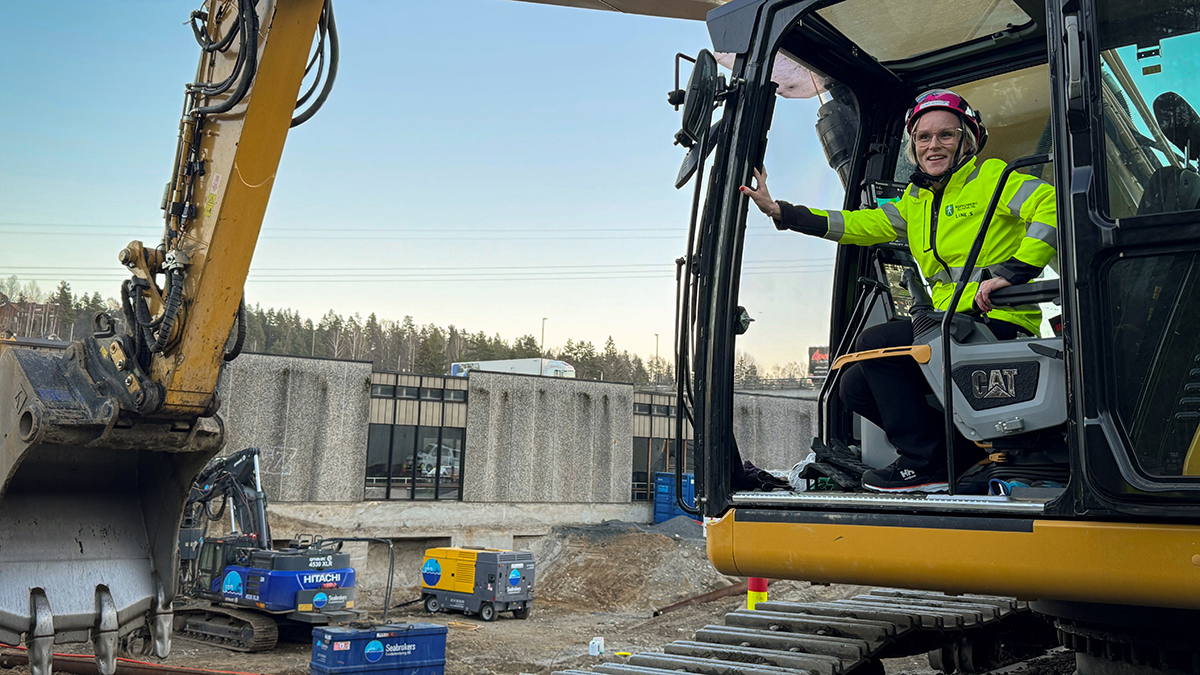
[477, 580]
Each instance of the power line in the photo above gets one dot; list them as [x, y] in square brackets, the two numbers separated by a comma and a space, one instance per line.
[381, 230]
[342, 269]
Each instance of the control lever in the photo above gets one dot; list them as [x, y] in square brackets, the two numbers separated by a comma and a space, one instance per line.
[920, 295]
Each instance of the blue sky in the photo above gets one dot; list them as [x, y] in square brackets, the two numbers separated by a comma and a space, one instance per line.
[483, 163]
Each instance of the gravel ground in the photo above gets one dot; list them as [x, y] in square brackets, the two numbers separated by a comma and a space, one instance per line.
[598, 581]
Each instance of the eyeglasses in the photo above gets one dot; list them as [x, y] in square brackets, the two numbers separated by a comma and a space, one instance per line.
[944, 137]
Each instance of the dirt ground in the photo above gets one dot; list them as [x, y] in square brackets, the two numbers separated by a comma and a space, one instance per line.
[600, 581]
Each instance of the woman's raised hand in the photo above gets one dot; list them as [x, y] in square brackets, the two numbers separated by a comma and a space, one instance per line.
[762, 197]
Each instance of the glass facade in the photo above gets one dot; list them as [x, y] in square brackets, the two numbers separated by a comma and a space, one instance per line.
[416, 441]
[417, 437]
[654, 442]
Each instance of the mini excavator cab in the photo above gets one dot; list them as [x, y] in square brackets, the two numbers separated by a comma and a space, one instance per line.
[1100, 415]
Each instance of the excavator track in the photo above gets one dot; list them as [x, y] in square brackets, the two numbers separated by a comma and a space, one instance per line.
[233, 629]
[842, 637]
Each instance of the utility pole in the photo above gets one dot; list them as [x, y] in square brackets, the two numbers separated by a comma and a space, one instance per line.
[657, 367]
[542, 348]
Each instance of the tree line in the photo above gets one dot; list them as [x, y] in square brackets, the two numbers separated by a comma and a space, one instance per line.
[27, 311]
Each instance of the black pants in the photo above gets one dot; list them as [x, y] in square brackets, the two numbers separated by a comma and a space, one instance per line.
[890, 392]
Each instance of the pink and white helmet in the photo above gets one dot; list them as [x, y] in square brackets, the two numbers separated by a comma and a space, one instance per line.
[938, 99]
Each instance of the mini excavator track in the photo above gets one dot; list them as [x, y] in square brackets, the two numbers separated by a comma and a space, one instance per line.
[234, 629]
[842, 637]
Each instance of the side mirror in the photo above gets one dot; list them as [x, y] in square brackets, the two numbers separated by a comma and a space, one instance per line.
[700, 97]
[693, 156]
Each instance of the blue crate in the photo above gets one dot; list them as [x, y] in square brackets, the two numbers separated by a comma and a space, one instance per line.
[394, 649]
[665, 506]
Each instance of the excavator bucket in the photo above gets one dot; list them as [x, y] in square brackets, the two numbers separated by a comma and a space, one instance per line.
[91, 498]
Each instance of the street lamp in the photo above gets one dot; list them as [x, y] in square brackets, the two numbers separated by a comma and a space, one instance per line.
[543, 345]
[657, 367]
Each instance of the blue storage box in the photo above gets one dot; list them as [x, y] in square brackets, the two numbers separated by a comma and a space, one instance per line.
[665, 506]
[400, 649]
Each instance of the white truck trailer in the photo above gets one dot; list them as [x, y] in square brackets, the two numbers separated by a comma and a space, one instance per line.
[544, 367]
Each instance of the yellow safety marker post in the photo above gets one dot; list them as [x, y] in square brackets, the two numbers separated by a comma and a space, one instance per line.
[756, 591]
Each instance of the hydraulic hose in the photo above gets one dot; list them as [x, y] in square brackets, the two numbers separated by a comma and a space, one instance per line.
[171, 310]
[334, 57]
[202, 37]
[249, 63]
[240, 339]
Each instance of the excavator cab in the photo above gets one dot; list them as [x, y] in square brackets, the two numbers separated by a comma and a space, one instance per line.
[1093, 425]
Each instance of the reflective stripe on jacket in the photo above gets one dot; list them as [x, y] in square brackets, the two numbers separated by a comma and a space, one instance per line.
[940, 229]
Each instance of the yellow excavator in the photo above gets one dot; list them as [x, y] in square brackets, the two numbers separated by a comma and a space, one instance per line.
[99, 445]
[1086, 441]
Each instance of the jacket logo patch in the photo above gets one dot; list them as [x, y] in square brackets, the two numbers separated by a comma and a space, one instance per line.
[961, 210]
[998, 383]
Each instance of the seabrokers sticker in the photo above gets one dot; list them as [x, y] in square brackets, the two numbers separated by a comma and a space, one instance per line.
[514, 578]
[373, 651]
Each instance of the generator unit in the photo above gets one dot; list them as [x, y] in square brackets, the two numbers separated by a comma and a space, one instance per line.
[477, 580]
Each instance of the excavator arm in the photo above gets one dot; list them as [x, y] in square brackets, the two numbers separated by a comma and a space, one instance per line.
[99, 446]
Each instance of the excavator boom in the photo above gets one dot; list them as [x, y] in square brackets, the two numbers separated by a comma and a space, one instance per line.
[101, 443]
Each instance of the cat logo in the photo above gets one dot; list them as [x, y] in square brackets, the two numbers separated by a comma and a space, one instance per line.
[995, 383]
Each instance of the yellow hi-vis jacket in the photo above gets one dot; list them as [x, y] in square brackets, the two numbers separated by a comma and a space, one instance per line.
[940, 229]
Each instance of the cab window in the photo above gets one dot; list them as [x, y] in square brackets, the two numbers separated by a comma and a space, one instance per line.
[1016, 111]
[1150, 69]
[786, 277]
[1150, 84]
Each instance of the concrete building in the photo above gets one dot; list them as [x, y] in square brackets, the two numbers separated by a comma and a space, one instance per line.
[494, 459]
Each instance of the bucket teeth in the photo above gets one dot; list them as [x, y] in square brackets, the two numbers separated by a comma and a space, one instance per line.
[41, 642]
[162, 623]
[104, 638]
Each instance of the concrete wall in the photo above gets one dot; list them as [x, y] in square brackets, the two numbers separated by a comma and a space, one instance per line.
[413, 527]
[539, 439]
[309, 418]
[774, 431]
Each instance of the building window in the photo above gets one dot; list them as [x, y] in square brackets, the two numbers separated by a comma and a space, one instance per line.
[403, 444]
[658, 455]
[456, 395]
[642, 483]
[431, 394]
[406, 392]
[378, 445]
[662, 410]
[383, 390]
[641, 408]
[450, 462]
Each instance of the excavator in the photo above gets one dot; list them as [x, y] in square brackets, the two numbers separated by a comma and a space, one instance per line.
[1086, 440]
[237, 590]
[100, 444]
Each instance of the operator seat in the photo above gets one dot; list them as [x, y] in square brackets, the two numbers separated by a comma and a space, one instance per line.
[1002, 388]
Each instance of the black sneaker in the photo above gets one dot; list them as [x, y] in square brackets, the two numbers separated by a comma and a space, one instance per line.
[895, 479]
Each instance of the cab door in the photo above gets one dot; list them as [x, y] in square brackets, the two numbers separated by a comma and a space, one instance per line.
[1126, 84]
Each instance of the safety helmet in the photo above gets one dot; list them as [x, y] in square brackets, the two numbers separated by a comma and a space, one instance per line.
[937, 99]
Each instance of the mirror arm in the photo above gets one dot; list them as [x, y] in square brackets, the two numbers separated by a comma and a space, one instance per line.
[676, 96]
